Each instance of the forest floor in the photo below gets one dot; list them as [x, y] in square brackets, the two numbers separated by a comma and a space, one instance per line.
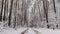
[30, 31]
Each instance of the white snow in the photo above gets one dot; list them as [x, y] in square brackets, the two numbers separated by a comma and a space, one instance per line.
[48, 31]
[13, 31]
[31, 31]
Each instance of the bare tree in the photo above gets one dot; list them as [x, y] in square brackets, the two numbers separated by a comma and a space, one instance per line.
[1, 10]
[10, 12]
[20, 10]
[45, 5]
[24, 10]
[54, 6]
[4, 11]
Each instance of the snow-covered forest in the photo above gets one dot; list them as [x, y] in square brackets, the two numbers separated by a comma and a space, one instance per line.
[30, 14]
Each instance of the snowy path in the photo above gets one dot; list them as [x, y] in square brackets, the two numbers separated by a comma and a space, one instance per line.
[19, 31]
[30, 31]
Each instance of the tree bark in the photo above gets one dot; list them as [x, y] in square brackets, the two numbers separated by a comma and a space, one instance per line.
[1, 10]
[45, 9]
[54, 6]
[10, 13]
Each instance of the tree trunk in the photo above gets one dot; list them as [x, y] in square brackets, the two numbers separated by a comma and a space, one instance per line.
[1, 10]
[10, 13]
[45, 5]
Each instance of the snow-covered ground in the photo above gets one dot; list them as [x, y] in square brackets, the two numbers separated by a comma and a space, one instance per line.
[30, 31]
[48, 31]
[13, 31]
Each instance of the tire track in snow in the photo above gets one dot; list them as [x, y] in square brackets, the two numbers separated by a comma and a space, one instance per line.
[30, 31]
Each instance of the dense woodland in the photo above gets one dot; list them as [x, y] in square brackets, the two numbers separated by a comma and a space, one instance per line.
[30, 13]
